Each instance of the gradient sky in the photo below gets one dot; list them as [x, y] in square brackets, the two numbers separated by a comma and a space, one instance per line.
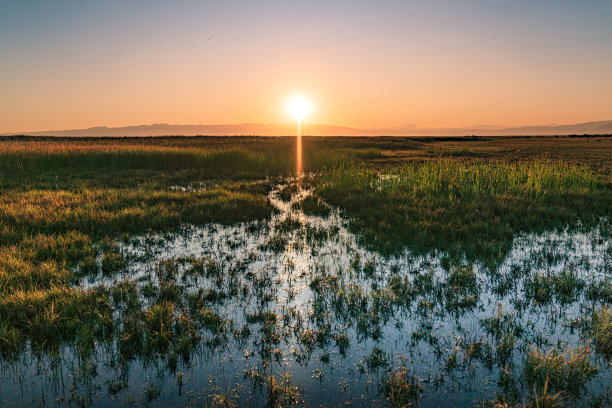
[71, 64]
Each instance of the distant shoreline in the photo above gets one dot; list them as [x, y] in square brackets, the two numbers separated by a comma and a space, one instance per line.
[421, 138]
[603, 127]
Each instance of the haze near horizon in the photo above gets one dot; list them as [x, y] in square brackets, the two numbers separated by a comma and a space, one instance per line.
[362, 64]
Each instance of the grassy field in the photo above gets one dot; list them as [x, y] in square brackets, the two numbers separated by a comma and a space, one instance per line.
[69, 208]
[465, 207]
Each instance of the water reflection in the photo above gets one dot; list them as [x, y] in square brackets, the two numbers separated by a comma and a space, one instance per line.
[295, 308]
[299, 169]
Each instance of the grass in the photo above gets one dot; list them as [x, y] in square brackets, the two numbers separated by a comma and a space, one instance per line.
[64, 202]
[401, 388]
[601, 330]
[565, 370]
[542, 399]
[83, 164]
[312, 206]
[540, 287]
[600, 291]
[461, 288]
[53, 316]
[505, 330]
[66, 206]
[46, 234]
[281, 391]
[464, 206]
[154, 163]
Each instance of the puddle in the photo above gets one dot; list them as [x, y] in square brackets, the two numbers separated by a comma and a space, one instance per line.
[302, 300]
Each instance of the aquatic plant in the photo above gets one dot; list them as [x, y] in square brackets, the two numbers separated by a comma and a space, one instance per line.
[601, 330]
[564, 370]
[401, 388]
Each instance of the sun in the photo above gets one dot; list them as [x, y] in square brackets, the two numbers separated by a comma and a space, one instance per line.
[299, 107]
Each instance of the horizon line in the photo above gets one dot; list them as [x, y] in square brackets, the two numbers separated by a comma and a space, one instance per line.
[478, 127]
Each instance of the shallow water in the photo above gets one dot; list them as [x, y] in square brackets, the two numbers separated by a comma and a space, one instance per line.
[343, 318]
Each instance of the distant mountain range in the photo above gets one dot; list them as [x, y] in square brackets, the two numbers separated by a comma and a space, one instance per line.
[162, 129]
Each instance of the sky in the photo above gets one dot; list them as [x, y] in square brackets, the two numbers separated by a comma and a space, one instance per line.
[367, 64]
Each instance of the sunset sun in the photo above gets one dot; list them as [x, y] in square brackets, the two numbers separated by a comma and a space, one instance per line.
[299, 107]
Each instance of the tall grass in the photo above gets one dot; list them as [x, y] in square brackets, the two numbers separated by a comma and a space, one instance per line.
[464, 206]
[473, 180]
[321, 159]
[217, 162]
[160, 166]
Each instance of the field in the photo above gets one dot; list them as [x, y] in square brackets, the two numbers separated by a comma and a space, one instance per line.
[200, 271]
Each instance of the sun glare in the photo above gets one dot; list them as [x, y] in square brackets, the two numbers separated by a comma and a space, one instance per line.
[299, 107]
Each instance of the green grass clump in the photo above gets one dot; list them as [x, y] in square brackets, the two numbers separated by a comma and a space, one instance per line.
[563, 370]
[542, 399]
[376, 359]
[462, 206]
[567, 285]
[160, 330]
[50, 317]
[506, 331]
[461, 288]
[262, 317]
[112, 259]
[158, 323]
[600, 291]
[474, 180]
[601, 330]
[401, 388]
[540, 287]
[546, 399]
[281, 391]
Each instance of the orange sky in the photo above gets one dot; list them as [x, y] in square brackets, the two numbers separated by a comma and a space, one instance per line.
[361, 63]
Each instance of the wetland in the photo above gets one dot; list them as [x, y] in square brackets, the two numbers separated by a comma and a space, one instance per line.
[395, 272]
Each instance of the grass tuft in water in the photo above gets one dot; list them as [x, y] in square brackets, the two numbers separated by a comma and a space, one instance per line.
[401, 388]
[281, 391]
[565, 370]
[601, 330]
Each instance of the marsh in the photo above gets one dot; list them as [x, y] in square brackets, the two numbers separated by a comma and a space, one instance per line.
[197, 271]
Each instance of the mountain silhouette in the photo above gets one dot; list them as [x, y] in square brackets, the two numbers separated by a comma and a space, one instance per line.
[289, 129]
